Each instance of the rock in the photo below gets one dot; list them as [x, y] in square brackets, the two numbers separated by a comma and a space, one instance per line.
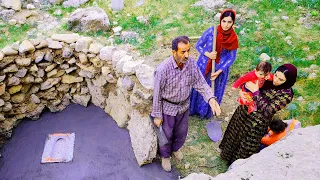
[2, 89]
[12, 81]
[52, 73]
[217, 17]
[144, 74]
[105, 70]
[70, 70]
[311, 58]
[64, 88]
[97, 98]
[83, 58]
[99, 81]
[30, 6]
[18, 98]
[28, 79]
[86, 74]
[111, 79]
[6, 96]
[25, 88]
[15, 89]
[43, 44]
[264, 57]
[120, 63]
[73, 3]
[81, 99]
[143, 137]
[41, 73]
[56, 1]
[129, 67]
[35, 99]
[7, 107]
[11, 4]
[209, 4]
[106, 53]
[118, 108]
[21, 73]
[141, 19]
[95, 48]
[84, 90]
[195, 176]
[285, 18]
[88, 19]
[12, 68]
[96, 62]
[36, 113]
[300, 98]
[67, 38]
[9, 51]
[127, 83]
[23, 61]
[39, 57]
[58, 12]
[314, 67]
[281, 160]
[83, 44]
[26, 47]
[72, 61]
[117, 55]
[1, 55]
[2, 77]
[71, 79]
[12, 22]
[54, 45]
[49, 83]
[6, 14]
[126, 36]
[67, 52]
[1, 102]
[34, 89]
[312, 76]
[34, 68]
[117, 30]
[49, 68]
[64, 66]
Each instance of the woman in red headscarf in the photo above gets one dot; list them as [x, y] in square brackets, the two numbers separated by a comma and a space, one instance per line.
[244, 132]
[224, 56]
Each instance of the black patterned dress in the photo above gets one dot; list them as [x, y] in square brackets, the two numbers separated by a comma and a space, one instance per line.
[244, 132]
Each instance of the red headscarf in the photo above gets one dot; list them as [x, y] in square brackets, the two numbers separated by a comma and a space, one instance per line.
[225, 40]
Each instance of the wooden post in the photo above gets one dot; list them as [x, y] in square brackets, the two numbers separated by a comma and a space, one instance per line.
[213, 49]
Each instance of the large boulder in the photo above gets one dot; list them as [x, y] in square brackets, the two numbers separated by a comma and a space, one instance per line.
[74, 3]
[6, 14]
[88, 19]
[294, 157]
[143, 137]
[12, 4]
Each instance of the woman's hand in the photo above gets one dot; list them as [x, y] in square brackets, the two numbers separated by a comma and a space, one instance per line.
[253, 87]
[211, 55]
[215, 75]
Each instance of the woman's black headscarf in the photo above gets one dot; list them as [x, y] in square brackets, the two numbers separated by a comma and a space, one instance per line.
[289, 71]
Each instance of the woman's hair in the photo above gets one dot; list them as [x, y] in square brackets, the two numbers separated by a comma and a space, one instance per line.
[278, 126]
[227, 14]
[264, 66]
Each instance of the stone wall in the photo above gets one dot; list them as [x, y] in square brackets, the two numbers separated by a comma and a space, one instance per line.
[66, 68]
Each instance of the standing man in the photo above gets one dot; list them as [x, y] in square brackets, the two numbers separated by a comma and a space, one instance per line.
[173, 80]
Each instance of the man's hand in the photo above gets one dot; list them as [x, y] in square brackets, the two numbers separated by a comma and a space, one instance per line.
[157, 122]
[211, 55]
[215, 106]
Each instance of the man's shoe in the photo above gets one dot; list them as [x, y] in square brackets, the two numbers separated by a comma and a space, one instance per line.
[166, 164]
[178, 155]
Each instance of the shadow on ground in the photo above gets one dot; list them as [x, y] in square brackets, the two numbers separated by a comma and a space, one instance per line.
[102, 150]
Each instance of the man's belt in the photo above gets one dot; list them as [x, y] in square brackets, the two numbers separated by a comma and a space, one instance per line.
[177, 103]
